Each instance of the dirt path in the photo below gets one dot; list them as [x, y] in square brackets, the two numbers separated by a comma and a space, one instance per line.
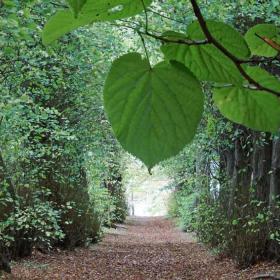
[142, 249]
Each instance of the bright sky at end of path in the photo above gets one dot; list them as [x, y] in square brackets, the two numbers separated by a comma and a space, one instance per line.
[147, 194]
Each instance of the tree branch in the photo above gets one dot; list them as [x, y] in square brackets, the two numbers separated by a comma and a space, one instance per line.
[164, 39]
[180, 41]
[238, 62]
[146, 17]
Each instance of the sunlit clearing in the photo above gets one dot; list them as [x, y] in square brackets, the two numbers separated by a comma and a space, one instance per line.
[147, 195]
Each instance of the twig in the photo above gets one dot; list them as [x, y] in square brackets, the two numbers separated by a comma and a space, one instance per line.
[238, 63]
[146, 17]
[178, 40]
[164, 16]
[137, 25]
[164, 39]
[59, 5]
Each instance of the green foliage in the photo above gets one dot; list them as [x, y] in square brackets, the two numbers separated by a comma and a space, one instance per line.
[38, 223]
[156, 90]
[53, 135]
[213, 51]
[210, 223]
[181, 206]
[244, 237]
[222, 180]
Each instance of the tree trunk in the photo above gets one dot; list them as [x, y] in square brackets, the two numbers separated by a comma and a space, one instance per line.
[242, 172]
[261, 163]
[275, 168]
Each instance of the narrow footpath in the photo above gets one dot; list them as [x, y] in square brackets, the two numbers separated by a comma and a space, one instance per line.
[142, 249]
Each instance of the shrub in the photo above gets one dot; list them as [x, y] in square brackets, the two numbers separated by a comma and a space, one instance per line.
[36, 225]
[181, 206]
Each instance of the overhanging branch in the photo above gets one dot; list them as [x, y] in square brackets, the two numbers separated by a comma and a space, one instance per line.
[238, 62]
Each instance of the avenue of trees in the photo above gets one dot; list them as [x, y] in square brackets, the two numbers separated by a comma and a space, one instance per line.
[83, 80]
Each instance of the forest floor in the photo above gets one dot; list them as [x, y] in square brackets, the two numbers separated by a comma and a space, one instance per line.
[142, 249]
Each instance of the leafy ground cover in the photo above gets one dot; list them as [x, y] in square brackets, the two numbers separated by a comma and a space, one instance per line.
[142, 249]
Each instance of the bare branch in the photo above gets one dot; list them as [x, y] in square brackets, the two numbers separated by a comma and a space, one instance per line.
[146, 17]
[164, 16]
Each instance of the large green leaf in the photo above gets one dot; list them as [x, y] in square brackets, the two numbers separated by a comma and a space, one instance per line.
[205, 61]
[226, 35]
[91, 11]
[255, 109]
[257, 45]
[154, 112]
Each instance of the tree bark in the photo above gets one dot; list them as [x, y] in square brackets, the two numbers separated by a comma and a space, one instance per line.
[275, 169]
[261, 162]
[242, 172]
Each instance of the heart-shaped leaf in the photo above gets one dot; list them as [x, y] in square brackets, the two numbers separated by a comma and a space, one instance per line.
[155, 111]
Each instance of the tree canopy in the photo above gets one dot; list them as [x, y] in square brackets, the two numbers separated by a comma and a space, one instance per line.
[208, 51]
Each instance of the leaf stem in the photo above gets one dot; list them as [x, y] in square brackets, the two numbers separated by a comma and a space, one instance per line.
[145, 48]
[146, 17]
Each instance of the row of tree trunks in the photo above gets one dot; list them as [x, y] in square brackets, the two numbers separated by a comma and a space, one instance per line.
[253, 161]
[250, 171]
